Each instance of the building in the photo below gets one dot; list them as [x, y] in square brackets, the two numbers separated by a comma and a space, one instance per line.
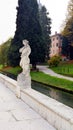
[56, 44]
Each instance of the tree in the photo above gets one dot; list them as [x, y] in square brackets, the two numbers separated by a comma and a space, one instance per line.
[65, 46]
[45, 23]
[27, 27]
[70, 9]
[68, 28]
[4, 49]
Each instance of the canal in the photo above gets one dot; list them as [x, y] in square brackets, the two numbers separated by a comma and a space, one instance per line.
[59, 95]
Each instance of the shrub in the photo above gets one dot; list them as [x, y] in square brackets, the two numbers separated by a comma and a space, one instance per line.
[54, 61]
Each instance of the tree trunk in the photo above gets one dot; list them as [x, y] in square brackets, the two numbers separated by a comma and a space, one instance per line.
[33, 66]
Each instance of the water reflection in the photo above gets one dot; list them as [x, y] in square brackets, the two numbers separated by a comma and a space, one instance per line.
[54, 94]
[59, 95]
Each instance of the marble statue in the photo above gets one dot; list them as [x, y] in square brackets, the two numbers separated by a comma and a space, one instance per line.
[24, 79]
[24, 62]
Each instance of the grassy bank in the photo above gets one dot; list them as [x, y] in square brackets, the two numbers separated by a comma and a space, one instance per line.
[43, 78]
[64, 69]
[50, 80]
[12, 70]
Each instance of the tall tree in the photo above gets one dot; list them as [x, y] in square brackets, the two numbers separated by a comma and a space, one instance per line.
[45, 23]
[4, 49]
[65, 46]
[27, 27]
[68, 28]
[70, 9]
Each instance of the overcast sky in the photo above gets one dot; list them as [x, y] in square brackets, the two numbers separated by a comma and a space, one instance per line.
[56, 8]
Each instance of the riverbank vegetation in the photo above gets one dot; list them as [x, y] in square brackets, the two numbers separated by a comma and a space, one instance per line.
[43, 78]
[53, 81]
[11, 70]
[65, 68]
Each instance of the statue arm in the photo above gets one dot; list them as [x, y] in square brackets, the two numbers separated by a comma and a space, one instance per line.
[21, 49]
[25, 51]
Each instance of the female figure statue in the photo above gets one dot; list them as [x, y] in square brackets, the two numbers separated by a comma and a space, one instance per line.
[24, 79]
[25, 52]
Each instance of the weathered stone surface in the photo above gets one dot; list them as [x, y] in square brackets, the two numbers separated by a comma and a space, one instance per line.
[16, 115]
[24, 81]
[57, 114]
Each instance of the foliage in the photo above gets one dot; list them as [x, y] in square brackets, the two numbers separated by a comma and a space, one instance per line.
[12, 70]
[27, 27]
[1, 66]
[70, 9]
[4, 49]
[68, 28]
[54, 61]
[45, 23]
[68, 33]
[65, 46]
[65, 68]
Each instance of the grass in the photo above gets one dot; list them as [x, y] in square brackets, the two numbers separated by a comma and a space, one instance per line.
[65, 69]
[13, 70]
[43, 78]
[1, 66]
[50, 80]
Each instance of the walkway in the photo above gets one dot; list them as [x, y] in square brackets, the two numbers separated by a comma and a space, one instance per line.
[46, 70]
[16, 115]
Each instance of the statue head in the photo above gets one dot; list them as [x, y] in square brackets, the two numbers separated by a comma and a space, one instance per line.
[25, 42]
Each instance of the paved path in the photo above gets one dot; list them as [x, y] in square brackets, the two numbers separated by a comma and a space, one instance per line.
[46, 70]
[16, 115]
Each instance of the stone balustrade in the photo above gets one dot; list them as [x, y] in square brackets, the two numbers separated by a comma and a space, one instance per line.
[57, 114]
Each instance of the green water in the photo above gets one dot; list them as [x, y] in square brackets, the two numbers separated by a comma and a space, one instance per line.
[61, 96]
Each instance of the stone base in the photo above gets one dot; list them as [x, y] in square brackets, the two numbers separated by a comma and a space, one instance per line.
[24, 81]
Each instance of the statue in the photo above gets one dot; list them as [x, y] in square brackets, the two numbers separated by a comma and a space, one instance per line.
[24, 79]
[25, 52]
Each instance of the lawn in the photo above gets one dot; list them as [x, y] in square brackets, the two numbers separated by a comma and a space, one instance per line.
[1, 66]
[13, 70]
[65, 69]
[51, 80]
[43, 78]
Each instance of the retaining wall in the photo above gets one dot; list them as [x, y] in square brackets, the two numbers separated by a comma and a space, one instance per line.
[57, 114]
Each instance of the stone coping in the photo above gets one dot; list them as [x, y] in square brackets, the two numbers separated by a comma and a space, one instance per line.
[50, 103]
[56, 113]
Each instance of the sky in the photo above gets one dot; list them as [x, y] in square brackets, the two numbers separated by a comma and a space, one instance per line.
[57, 11]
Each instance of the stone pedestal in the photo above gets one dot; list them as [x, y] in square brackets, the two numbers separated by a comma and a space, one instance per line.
[24, 81]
